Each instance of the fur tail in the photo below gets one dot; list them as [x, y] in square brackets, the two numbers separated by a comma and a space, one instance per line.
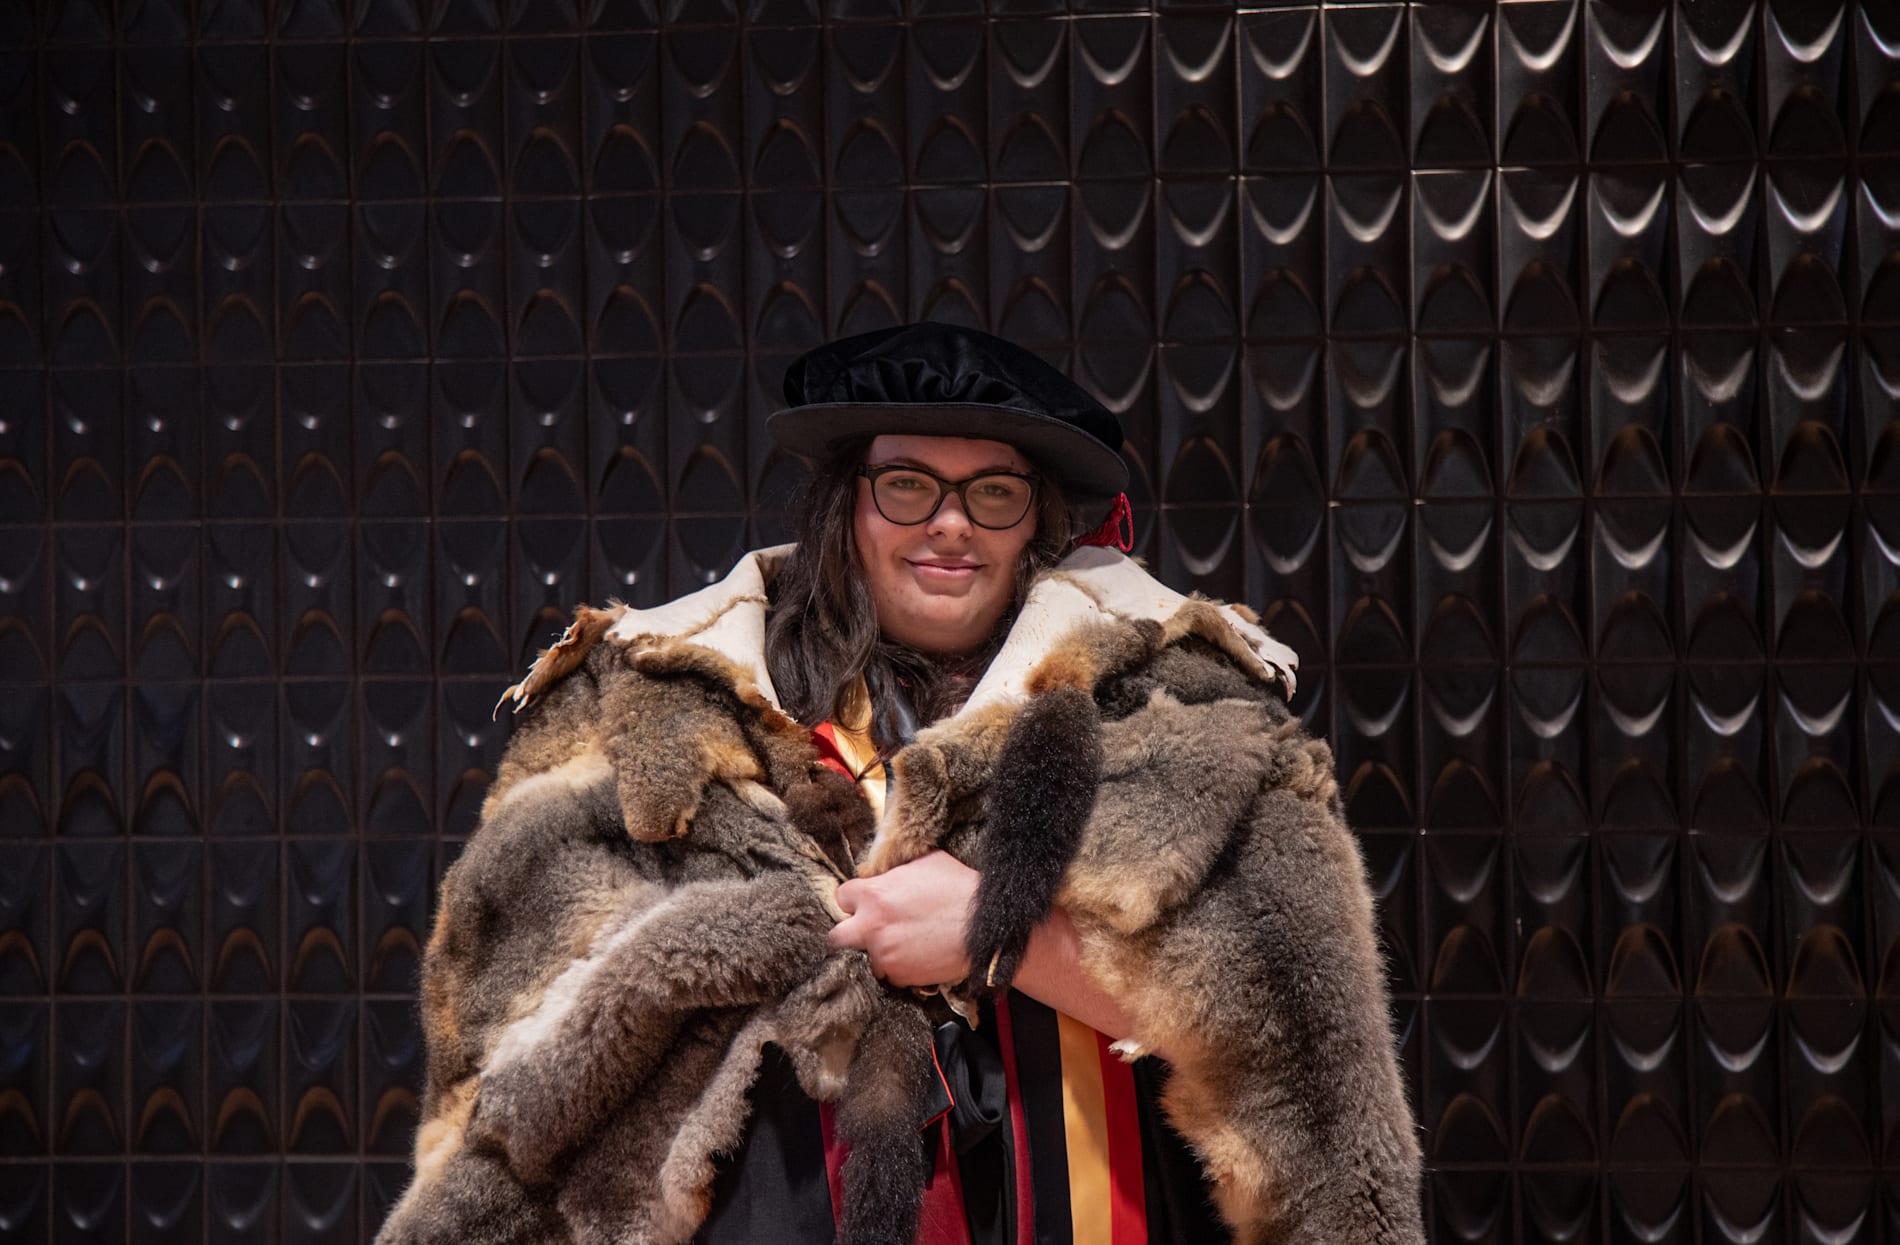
[1040, 800]
[881, 1118]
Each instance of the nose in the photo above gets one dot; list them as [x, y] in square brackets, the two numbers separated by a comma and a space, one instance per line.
[950, 518]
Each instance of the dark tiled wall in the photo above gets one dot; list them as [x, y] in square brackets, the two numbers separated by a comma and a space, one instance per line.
[1534, 370]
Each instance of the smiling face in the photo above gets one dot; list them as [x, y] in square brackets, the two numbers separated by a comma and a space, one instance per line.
[942, 585]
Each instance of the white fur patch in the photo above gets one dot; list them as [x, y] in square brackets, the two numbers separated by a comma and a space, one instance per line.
[575, 774]
[1092, 582]
[727, 617]
[534, 1030]
[1097, 582]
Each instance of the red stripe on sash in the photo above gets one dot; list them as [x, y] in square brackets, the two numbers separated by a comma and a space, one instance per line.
[1018, 1127]
[825, 737]
[1129, 1210]
[835, 1151]
[943, 1221]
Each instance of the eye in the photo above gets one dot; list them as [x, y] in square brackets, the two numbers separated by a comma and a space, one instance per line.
[904, 483]
[1000, 488]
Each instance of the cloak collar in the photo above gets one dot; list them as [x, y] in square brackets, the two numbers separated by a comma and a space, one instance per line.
[1094, 582]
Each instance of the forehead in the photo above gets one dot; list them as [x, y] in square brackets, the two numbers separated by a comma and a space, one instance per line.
[952, 457]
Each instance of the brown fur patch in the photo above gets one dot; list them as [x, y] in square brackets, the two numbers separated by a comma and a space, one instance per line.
[1125, 901]
[787, 745]
[441, 1007]
[1093, 652]
[944, 762]
[589, 625]
[583, 767]
[1070, 665]
[915, 817]
[1309, 772]
[1203, 619]
[531, 752]
[441, 1135]
[683, 657]
[1235, 1168]
[669, 740]
[656, 811]
[594, 911]
[729, 760]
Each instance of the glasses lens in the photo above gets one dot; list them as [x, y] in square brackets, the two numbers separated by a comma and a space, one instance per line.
[998, 501]
[905, 496]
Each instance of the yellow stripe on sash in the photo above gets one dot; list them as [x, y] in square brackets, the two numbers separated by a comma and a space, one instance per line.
[1085, 1123]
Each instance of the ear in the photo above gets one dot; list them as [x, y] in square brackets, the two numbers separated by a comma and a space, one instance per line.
[660, 789]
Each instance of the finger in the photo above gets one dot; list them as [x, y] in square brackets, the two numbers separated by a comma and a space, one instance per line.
[846, 935]
[847, 894]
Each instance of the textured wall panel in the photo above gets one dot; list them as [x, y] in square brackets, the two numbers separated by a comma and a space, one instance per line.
[1533, 368]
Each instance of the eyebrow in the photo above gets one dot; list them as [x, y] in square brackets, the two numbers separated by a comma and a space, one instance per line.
[902, 461]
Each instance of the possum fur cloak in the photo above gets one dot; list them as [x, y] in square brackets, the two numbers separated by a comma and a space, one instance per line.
[644, 903]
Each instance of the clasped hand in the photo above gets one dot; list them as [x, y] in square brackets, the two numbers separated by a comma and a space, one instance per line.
[911, 921]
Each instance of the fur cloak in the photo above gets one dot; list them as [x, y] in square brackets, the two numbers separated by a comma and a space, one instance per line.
[644, 905]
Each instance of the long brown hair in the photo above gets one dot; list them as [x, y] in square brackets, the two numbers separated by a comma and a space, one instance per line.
[821, 631]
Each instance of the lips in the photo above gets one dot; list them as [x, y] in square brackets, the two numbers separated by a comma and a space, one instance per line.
[946, 568]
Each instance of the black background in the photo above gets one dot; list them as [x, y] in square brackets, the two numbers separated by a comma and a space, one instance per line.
[1533, 370]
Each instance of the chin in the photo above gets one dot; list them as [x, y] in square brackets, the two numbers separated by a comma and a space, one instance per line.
[936, 630]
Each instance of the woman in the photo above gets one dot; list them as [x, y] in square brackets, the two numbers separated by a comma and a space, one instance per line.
[643, 880]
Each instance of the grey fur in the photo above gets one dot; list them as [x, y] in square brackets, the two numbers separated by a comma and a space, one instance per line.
[1223, 901]
[597, 993]
[645, 904]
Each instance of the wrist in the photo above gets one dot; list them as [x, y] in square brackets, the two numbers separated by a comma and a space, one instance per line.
[1052, 974]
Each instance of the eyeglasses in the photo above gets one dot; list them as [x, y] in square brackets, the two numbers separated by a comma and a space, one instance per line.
[908, 496]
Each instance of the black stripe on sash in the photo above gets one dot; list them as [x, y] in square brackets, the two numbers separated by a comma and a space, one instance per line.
[1039, 1081]
[1180, 1200]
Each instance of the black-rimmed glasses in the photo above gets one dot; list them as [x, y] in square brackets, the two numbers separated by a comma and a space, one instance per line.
[908, 496]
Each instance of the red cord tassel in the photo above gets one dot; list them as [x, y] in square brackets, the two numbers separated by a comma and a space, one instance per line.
[1117, 530]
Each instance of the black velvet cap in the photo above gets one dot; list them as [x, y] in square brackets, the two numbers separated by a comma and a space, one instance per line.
[939, 380]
